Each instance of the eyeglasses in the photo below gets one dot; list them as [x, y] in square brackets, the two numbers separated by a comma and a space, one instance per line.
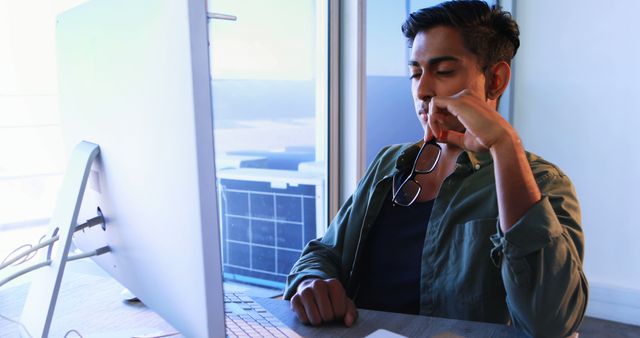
[425, 162]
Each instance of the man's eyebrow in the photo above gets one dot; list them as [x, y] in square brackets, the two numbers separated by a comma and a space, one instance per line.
[434, 61]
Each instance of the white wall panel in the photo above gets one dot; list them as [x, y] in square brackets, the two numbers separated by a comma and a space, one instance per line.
[576, 103]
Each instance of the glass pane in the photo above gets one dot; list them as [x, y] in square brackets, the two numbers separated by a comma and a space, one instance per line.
[32, 159]
[269, 80]
[390, 114]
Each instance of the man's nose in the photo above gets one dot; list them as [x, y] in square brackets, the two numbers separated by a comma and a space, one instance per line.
[424, 89]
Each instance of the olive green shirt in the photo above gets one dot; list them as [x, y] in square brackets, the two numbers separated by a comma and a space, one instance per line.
[531, 276]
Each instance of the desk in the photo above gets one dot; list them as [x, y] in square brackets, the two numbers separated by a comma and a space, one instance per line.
[88, 303]
[406, 325]
[91, 305]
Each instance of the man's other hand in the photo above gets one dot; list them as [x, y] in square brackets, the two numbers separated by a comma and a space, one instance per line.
[320, 301]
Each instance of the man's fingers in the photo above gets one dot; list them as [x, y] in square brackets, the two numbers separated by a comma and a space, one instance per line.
[337, 296]
[428, 134]
[352, 312]
[298, 308]
[439, 105]
[455, 138]
[318, 301]
[452, 137]
[434, 128]
[307, 299]
[436, 122]
[464, 141]
[321, 293]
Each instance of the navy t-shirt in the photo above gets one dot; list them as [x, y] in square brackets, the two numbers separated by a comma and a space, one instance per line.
[390, 274]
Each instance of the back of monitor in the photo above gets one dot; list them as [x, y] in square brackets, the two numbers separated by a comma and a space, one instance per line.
[134, 79]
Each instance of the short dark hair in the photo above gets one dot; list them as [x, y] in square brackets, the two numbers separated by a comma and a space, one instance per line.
[488, 32]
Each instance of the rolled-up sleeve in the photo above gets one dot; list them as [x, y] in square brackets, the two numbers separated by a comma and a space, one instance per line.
[325, 257]
[541, 262]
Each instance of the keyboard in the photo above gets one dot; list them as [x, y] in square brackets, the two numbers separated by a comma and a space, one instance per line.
[246, 318]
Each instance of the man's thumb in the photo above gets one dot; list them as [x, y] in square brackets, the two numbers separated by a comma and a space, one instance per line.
[351, 315]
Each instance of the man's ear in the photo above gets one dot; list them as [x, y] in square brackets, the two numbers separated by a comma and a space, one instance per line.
[497, 77]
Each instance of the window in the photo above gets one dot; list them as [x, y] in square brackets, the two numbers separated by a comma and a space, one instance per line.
[269, 73]
[269, 81]
[30, 141]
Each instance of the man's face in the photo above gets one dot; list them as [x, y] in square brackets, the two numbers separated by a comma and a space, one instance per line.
[440, 65]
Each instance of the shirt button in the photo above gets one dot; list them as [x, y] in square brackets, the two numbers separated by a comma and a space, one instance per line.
[477, 166]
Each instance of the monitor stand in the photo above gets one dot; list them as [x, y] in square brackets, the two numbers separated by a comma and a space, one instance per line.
[43, 292]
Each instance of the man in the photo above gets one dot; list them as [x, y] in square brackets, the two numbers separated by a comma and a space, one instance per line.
[464, 224]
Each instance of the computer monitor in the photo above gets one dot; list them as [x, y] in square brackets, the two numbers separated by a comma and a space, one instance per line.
[134, 79]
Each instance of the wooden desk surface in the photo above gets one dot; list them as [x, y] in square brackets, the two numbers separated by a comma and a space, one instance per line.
[92, 305]
[406, 325]
[89, 304]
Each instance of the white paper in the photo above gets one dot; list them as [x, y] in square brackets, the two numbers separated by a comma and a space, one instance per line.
[382, 333]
